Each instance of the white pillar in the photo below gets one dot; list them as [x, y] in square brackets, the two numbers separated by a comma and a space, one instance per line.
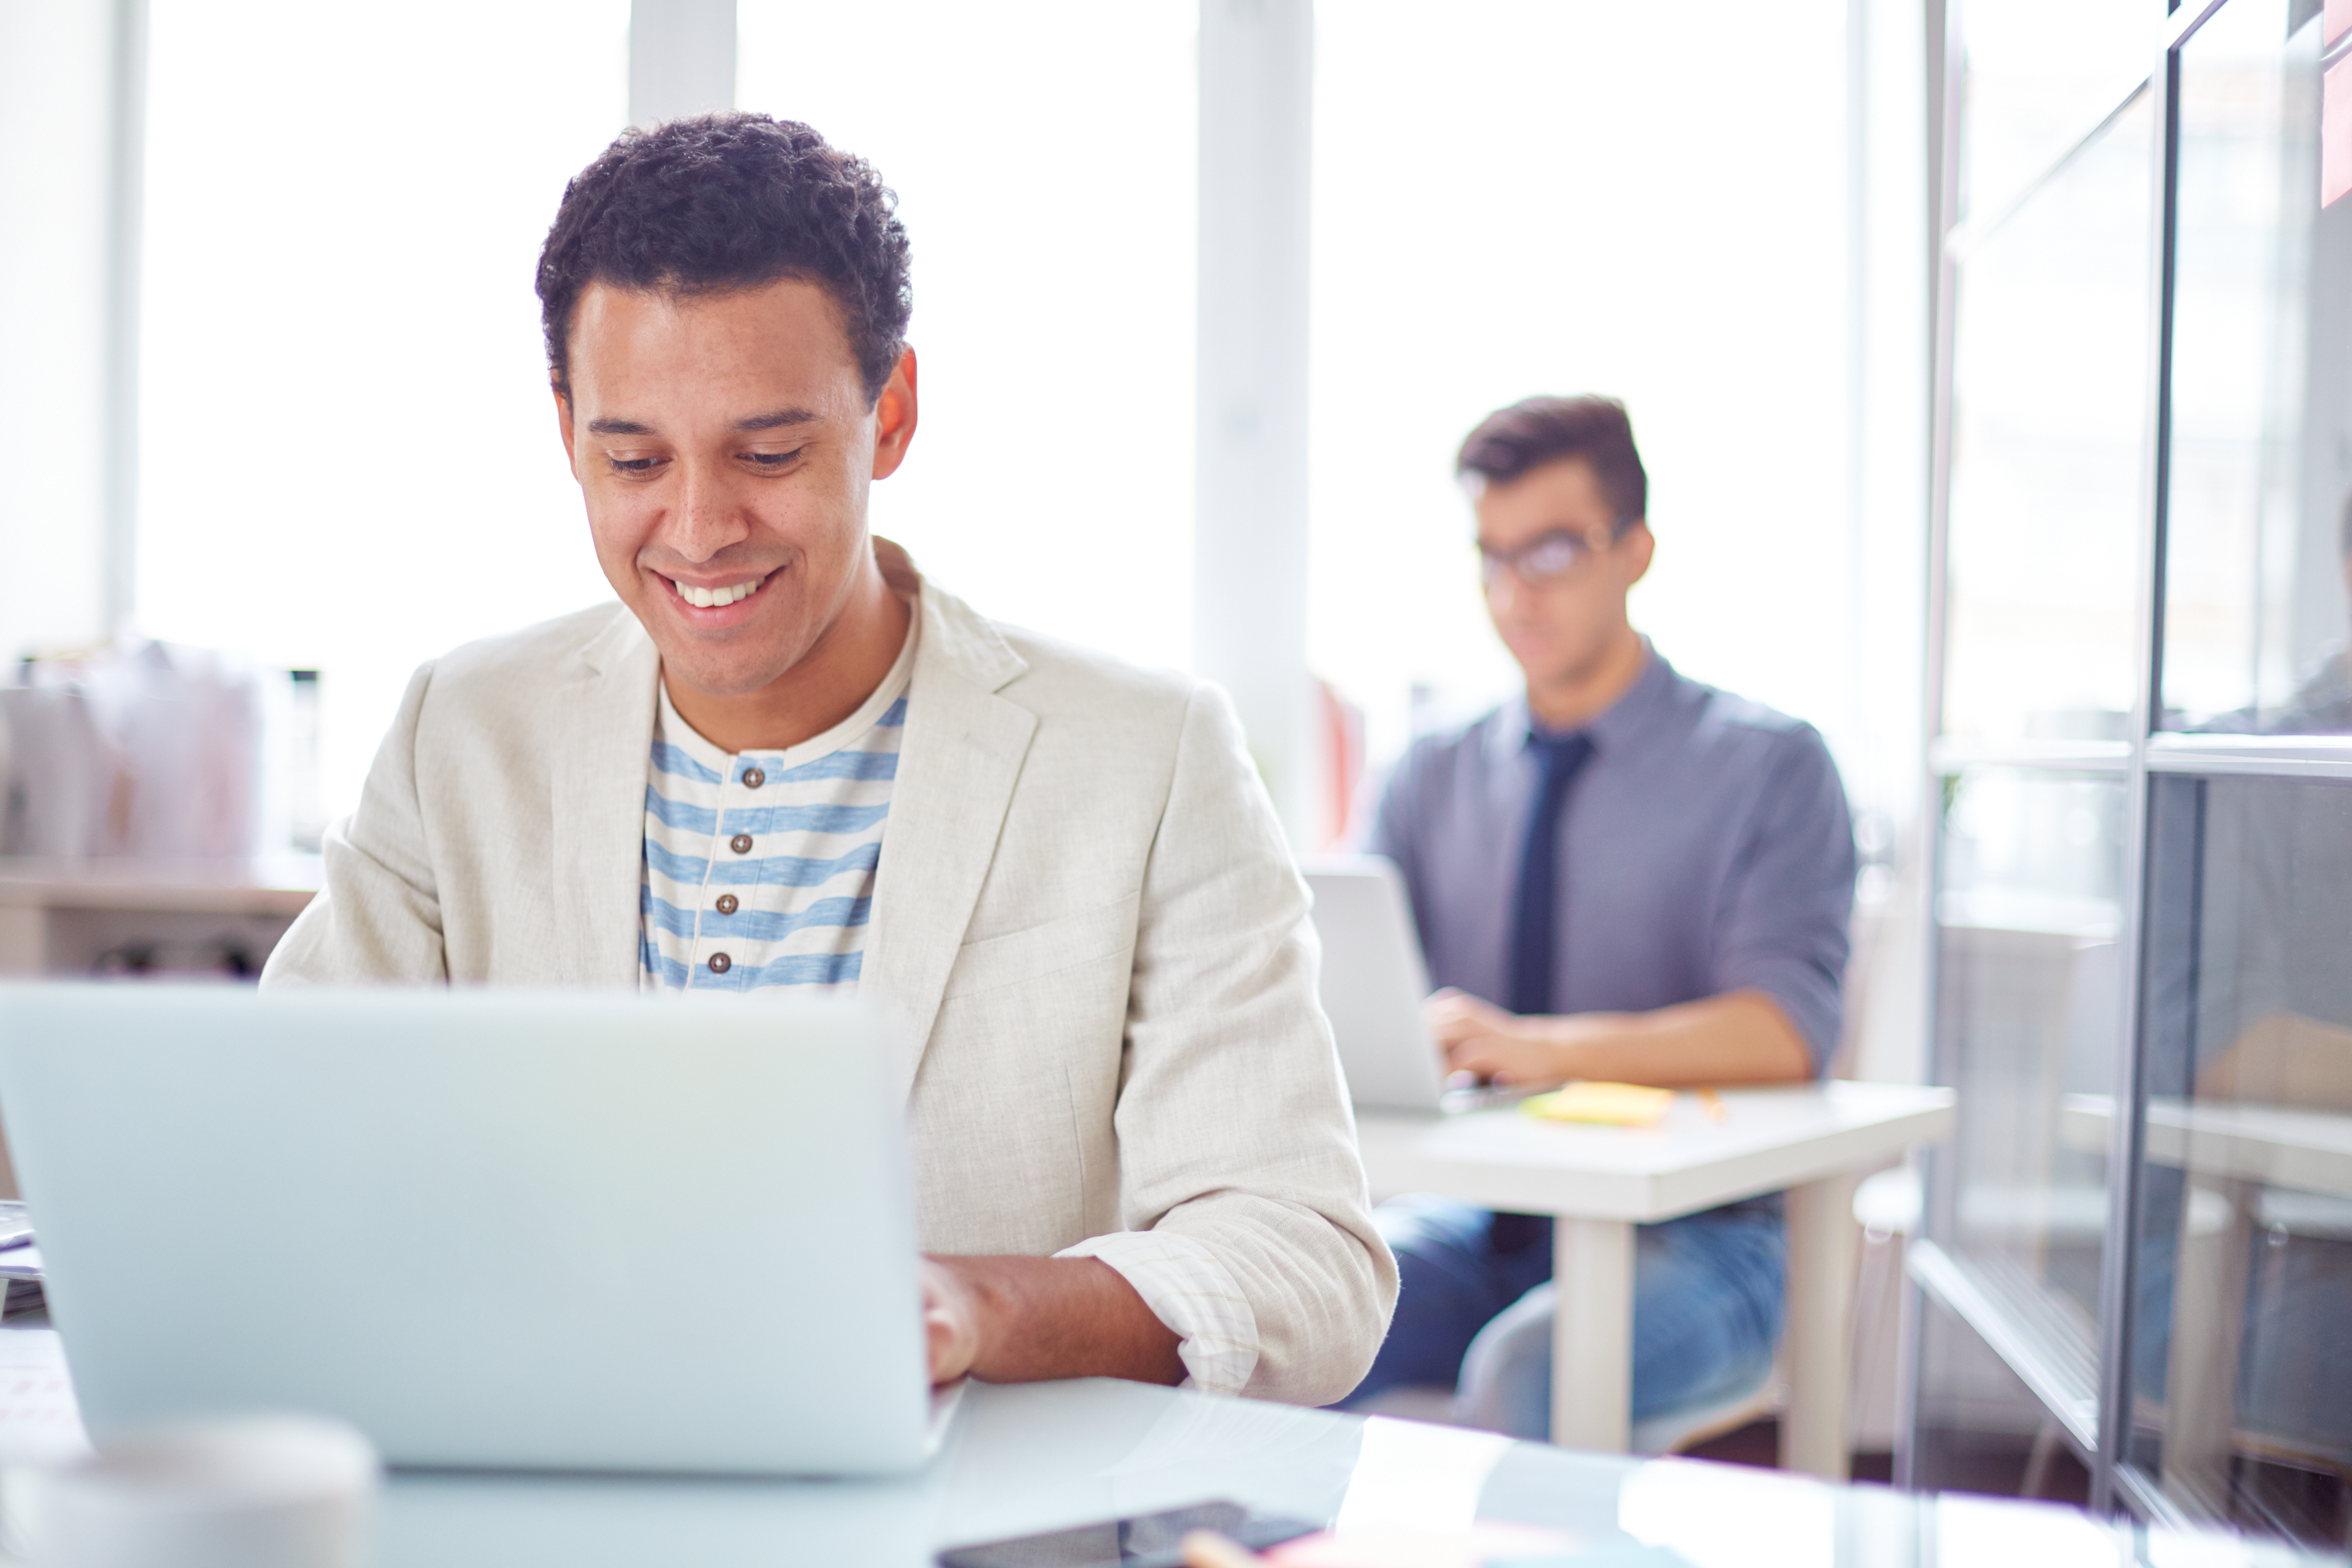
[72, 91]
[1249, 591]
[681, 58]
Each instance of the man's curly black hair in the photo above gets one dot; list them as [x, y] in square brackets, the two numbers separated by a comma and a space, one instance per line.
[715, 203]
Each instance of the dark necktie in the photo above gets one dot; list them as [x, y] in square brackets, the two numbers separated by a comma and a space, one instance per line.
[1535, 927]
[1535, 913]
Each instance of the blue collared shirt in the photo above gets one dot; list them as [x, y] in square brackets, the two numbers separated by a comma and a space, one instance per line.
[1706, 848]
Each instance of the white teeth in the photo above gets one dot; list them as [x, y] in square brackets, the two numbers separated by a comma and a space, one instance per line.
[710, 598]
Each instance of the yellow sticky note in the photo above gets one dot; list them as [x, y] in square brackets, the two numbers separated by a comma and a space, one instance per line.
[1618, 1104]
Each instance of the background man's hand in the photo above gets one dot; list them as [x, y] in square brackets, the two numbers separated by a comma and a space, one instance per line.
[1739, 1036]
[1481, 1038]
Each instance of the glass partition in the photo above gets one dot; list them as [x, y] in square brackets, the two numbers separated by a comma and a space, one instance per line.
[2259, 535]
[2241, 1357]
[1980, 1427]
[2029, 999]
[2049, 407]
[2034, 77]
[2124, 908]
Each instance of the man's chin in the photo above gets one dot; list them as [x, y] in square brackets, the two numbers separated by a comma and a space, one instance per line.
[724, 680]
[732, 673]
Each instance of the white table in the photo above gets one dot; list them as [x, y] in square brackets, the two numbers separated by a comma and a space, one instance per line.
[1051, 1456]
[2232, 1152]
[1599, 1182]
[2281, 1145]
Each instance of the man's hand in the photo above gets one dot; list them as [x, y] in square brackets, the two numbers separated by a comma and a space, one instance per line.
[1024, 1320]
[1739, 1036]
[1482, 1038]
[951, 1323]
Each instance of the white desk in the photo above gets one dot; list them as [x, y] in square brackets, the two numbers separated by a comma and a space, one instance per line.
[2232, 1153]
[1597, 1182]
[1050, 1455]
[2281, 1145]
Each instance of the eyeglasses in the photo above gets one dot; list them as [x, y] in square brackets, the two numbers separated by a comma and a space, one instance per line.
[1544, 559]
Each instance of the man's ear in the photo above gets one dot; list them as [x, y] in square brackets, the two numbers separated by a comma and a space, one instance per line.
[562, 419]
[894, 417]
[1639, 545]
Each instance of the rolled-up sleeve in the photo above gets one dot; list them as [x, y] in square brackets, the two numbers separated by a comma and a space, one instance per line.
[1782, 927]
[1233, 1128]
[1191, 1294]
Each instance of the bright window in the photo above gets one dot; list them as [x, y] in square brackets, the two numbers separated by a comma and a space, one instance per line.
[1043, 154]
[1519, 196]
[348, 458]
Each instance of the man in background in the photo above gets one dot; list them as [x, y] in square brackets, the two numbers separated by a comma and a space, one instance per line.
[1621, 875]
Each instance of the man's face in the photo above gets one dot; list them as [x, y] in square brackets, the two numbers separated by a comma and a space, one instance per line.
[725, 447]
[1562, 627]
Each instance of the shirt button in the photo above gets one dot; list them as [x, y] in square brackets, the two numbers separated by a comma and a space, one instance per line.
[753, 779]
[725, 903]
[720, 963]
[740, 844]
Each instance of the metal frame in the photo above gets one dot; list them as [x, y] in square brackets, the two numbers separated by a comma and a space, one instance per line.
[1943, 177]
[2116, 1253]
[2070, 1397]
[2151, 753]
[127, 207]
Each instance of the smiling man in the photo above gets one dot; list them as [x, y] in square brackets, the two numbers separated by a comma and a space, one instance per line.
[1621, 875]
[785, 763]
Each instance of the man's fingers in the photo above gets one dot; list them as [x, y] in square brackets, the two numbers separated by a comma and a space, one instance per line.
[1461, 1006]
[1451, 1016]
[950, 1328]
[1472, 1053]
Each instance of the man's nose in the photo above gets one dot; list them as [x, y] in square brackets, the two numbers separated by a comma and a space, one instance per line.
[708, 513]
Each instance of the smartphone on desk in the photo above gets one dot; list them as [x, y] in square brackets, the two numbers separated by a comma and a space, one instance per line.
[1144, 1540]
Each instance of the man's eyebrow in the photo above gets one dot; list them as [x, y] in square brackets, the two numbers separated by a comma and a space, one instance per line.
[778, 420]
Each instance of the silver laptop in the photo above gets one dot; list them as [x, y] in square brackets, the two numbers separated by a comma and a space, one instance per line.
[1374, 983]
[490, 1228]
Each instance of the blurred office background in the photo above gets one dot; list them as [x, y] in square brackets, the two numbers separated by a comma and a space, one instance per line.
[1992, 360]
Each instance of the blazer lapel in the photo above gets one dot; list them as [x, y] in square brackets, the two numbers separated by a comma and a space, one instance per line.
[596, 788]
[957, 767]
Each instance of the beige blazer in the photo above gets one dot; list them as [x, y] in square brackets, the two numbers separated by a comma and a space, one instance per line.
[1086, 911]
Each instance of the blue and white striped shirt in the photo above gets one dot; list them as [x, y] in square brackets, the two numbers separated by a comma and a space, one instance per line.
[758, 873]
[758, 868]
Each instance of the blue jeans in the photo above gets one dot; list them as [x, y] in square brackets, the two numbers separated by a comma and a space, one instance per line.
[1708, 1291]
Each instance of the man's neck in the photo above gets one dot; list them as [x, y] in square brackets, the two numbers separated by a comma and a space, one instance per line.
[1573, 700]
[825, 688]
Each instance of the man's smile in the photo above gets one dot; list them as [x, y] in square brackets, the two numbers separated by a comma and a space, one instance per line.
[718, 596]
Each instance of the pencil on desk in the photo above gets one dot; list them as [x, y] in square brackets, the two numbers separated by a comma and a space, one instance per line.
[1713, 1104]
[1207, 1549]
